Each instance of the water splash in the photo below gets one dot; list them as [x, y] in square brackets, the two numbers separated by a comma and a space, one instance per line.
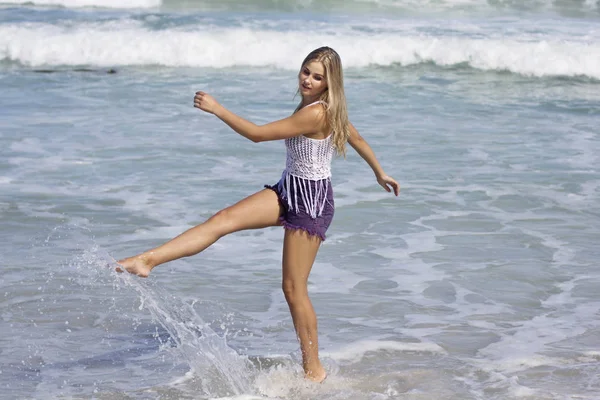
[222, 369]
[92, 332]
[219, 369]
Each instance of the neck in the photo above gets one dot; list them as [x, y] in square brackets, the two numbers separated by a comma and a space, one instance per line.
[309, 100]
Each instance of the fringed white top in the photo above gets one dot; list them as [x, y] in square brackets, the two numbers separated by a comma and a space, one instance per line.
[308, 160]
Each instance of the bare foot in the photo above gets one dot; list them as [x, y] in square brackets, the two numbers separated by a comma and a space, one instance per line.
[318, 376]
[138, 265]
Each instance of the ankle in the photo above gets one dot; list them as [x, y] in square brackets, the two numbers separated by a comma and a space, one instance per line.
[316, 374]
[148, 259]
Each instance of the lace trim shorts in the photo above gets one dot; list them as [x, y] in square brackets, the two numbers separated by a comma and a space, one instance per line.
[290, 219]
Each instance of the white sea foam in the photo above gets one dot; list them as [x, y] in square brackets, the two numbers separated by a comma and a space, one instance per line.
[523, 349]
[330, 279]
[356, 351]
[129, 43]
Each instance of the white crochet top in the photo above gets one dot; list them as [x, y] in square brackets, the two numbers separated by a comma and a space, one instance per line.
[308, 160]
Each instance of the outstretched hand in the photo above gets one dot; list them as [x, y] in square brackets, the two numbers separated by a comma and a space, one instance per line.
[205, 102]
[389, 184]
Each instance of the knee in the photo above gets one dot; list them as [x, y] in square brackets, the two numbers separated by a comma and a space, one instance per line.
[293, 290]
[223, 222]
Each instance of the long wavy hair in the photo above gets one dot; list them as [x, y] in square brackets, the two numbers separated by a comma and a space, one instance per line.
[334, 97]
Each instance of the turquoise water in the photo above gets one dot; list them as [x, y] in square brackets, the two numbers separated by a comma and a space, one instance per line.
[477, 282]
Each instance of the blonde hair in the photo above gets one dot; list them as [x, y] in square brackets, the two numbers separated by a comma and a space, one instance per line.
[334, 97]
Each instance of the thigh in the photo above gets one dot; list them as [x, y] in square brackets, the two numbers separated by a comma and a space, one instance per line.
[260, 210]
[299, 253]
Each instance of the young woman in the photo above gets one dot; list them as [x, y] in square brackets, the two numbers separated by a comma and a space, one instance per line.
[302, 201]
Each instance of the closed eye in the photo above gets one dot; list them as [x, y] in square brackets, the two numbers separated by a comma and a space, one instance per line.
[317, 77]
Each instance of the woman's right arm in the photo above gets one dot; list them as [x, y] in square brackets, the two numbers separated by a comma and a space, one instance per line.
[306, 121]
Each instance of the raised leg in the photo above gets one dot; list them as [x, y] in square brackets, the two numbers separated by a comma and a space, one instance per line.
[299, 252]
[259, 210]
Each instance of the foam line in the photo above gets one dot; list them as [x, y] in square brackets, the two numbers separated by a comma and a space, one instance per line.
[128, 43]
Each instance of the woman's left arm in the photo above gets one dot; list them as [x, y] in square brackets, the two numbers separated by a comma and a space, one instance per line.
[361, 146]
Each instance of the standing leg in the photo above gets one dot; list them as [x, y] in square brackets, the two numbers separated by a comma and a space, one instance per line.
[299, 252]
[259, 210]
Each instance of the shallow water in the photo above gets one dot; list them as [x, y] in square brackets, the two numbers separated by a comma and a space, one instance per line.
[478, 282]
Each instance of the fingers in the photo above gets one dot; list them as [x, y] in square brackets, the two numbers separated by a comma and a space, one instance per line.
[203, 101]
[396, 187]
[199, 97]
[198, 101]
[390, 184]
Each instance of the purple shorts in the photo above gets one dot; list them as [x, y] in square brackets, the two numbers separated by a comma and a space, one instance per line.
[290, 219]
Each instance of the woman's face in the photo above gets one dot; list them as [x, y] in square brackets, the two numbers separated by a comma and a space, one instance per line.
[311, 79]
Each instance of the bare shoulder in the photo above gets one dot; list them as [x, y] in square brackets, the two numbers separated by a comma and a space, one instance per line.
[314, 109]
[317, 113]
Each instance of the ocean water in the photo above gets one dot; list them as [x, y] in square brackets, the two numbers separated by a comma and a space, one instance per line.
[480, 281]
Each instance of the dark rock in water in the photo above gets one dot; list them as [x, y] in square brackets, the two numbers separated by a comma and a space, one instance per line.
[50, 71]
